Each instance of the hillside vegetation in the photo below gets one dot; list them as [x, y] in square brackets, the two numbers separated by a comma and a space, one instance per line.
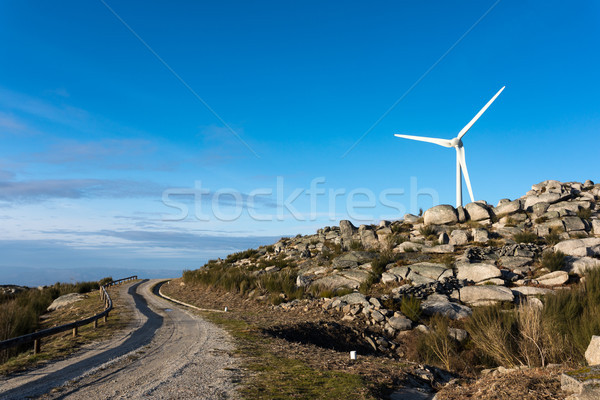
[21, 308]
[464, 289]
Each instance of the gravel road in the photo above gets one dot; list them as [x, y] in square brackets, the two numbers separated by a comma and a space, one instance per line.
[166, 353]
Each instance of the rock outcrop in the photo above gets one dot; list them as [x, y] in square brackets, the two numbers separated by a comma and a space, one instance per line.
[447, 261]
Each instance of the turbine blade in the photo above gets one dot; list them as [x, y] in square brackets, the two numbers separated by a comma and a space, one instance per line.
[476, 117]
[440, 142]
[460, 153]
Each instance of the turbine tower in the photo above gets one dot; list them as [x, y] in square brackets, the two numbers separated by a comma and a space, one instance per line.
[461, 164]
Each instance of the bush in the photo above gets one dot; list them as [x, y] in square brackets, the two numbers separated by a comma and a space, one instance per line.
[365, 286]
[428, 232]
[410, 306]
[552, 238]
[356, 245]
[250, 253]
[20, 313]
[532, 349]
[492, 332]
[553, 260]
[437, 345]
[378, 265]
[525, 237]
[394, 240]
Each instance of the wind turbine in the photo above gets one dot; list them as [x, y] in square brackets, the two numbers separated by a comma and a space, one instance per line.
[457, 143]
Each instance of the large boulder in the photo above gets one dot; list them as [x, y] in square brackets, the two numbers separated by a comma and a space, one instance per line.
[439, 304]
[579, 247]
[580, 265]
[65, 300]
[347, 229]
[459, 237]
[549, 198]
[401, 271]
[368, 238]
[355, 298]
[433, 271]
[440, 249]
[573, 224]
[508, 207]
[596, 226]
[555, 278]
[485, 295]
[408, 247]
[530, 291]
[477, 211]
[512, 262]
[352, 259]
[336, 281]
[477, 272]
[440, 215]
[356, 274]
[480, 235]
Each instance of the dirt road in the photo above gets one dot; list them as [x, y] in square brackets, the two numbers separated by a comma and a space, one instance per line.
[167, 353]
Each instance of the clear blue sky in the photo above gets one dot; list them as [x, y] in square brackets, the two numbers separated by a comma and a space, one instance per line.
[103, 111]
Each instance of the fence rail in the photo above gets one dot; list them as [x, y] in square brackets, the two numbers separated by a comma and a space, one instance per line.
[36, 336]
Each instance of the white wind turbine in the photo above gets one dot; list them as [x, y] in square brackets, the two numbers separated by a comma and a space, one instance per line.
[457, 143]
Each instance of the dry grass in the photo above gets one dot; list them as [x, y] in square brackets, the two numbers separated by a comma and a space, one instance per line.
[529, 384]
[63, 344]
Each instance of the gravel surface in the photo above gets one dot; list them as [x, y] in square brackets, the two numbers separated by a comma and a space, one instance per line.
[167, 353]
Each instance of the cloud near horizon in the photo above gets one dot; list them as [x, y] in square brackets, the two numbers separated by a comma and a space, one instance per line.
[44, 189]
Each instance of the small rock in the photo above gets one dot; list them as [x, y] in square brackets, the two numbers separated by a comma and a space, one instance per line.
[400, 323]
[459, 335]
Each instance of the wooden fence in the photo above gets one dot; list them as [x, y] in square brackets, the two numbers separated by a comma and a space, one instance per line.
[37, 336]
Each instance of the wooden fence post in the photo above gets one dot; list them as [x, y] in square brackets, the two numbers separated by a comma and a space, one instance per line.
[36, 346]
[75, 332]
[95, 323]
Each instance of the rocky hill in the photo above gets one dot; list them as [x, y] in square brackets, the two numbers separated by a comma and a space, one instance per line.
[393, 279]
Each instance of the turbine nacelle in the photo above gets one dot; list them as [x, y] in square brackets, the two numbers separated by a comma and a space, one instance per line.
[461, 164]
[456, 142]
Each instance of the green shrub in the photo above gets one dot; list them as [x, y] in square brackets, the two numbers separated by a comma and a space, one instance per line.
[552, 238]
[525, 237]
[250, 253]
[365, 286]
[410, 306]
[379, 264]
[428, 232]
[395, 239]
[553, 260]
[356, 245]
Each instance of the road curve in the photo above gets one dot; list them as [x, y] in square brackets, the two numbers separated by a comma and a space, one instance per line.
[167, 353]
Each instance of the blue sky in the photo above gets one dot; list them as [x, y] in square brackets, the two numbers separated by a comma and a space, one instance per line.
[113, 114]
